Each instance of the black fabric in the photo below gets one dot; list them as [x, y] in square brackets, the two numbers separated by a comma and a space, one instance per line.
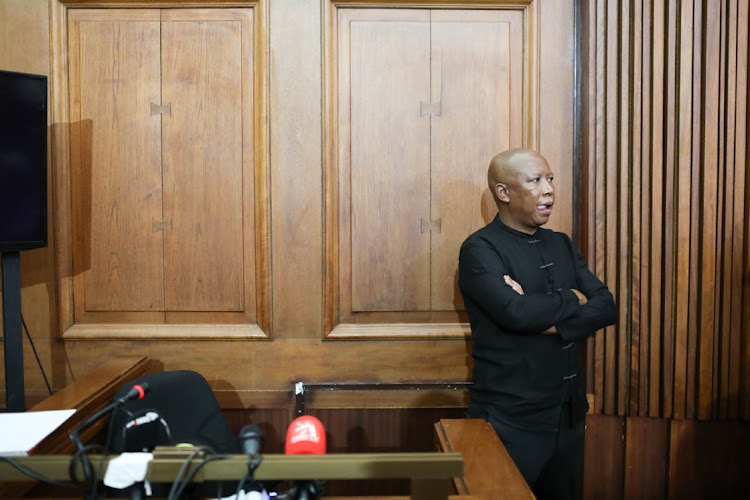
[187, 404]
[521, 375]
[550, 462]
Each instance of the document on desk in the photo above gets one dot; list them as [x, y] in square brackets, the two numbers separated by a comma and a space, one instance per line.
[21, 432]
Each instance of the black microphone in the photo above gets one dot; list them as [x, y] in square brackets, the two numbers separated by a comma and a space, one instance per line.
[89, 479]
[251, 440]
[135, 392]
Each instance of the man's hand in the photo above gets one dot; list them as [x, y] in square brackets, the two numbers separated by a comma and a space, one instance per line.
[581, 297]
[513, 284]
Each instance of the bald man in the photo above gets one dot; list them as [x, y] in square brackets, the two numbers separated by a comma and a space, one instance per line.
[531, 298]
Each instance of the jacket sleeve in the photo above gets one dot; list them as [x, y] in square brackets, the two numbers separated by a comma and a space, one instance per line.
[600, 309]
[480, 279]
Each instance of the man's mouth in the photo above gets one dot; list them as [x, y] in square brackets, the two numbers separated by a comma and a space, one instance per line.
[545, 208]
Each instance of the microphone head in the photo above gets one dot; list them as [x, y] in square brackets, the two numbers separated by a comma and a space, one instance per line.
[141, 389]
[251, 439]
[306, 435]
[136, 391]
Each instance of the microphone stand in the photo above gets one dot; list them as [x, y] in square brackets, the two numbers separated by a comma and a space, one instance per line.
[89, 477]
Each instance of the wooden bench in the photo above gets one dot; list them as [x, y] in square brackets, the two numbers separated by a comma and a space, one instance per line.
[489, 472]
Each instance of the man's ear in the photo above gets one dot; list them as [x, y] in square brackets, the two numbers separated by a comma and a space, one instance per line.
[501, 192]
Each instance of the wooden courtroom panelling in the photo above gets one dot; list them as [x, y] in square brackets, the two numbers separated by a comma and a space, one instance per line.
[665, 155]
[646, 457]
[117, 160]
[406, 167]
[663, 203]
[414, 154]
[389, 142]
[708, 459]
[207, 205]
[200, 73]
[604, 457]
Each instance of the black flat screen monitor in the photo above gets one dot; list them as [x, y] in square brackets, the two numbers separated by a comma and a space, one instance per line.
[23, 161]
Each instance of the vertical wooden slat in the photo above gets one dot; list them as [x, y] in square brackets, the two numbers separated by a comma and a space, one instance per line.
[667, 190]
[740, 359]
[695, 206]
[683, 206]
[709, 207]
[729, 201]
[669, 208]
[645, 272]
[635, 222]
[599, 208]
[623, 222]
[611, 196]
[735, 190]
[588, 150]
[657, 158]
[720, 322]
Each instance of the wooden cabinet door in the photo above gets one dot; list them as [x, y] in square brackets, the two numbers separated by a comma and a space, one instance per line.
[477, 80]
[390, 160]
[163, 165]
[204, 159]
[115, 79]
[425, 99]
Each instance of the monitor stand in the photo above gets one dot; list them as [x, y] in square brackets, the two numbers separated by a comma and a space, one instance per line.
[12, 335]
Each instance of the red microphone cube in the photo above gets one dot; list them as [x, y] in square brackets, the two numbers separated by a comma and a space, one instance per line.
[306, 435]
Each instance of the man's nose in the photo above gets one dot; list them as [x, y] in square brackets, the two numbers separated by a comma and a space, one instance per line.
[548, 188]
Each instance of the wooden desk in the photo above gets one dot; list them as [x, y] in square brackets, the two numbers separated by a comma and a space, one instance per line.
[87, 395]
[489, 472]
[429, 473]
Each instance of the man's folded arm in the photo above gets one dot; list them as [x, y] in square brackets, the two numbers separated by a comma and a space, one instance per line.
[483, 284]
[599, 311]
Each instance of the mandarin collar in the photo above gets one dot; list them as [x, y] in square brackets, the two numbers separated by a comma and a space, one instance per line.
[515, 232]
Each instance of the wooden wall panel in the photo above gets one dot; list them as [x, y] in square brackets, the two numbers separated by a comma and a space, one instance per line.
[665, 161]
[664, 208]
[207, 59]
[374, 287]
[708, 459]
[297, 185]
[389, 173]
[646, 453]
[604, 457]
[117, 254]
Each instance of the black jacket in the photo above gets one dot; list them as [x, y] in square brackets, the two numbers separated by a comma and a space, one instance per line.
[521, 376]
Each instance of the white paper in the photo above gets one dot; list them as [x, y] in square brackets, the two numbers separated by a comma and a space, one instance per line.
[21, 432]
[127, 469]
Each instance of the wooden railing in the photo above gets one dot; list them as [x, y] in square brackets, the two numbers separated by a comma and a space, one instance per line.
[489, 472]
[429, 473]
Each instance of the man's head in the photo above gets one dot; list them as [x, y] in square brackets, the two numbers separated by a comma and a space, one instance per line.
[521, 183]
